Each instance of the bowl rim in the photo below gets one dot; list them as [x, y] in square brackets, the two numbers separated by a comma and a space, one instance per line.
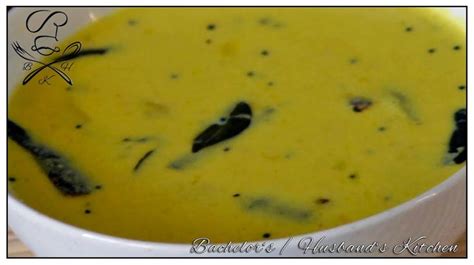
[25, 210]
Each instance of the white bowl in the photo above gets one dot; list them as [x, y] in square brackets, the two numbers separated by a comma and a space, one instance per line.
[438, 214]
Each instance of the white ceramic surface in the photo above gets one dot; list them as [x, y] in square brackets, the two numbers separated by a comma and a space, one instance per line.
[439, 214]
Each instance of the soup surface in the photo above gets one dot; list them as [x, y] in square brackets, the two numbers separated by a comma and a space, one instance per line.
[241, 124]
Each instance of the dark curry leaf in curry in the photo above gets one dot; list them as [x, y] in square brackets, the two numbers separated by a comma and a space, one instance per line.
[58, 169]
[458, 141]
[82, 53]
[238, 120]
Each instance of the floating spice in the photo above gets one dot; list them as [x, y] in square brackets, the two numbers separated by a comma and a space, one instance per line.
[323, 201]
[266, 235]
[137, 140]
[264, 21]
[360, 104]
[65, 178]
[238, 120]
[174, 76]
[353, 61]
[211, 27]
[142, 159]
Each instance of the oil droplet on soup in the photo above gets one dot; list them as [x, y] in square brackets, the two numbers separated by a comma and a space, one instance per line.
[242, 125]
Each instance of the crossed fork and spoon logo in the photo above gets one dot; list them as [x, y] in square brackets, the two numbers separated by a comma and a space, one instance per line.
[70, 52]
